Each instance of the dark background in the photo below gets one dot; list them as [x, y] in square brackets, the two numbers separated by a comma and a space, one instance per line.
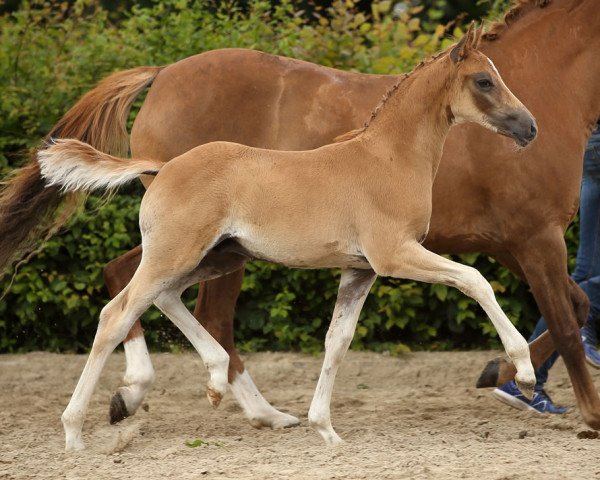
[472, 9]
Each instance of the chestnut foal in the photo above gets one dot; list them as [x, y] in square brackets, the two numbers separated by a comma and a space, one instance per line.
[363, 205]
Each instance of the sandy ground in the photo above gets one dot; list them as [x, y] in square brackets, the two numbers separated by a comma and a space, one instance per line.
[416, 416]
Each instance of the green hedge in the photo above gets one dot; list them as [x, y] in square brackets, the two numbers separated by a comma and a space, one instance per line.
[51, 53]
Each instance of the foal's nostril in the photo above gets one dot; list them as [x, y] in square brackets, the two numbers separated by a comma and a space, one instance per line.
[533, 131]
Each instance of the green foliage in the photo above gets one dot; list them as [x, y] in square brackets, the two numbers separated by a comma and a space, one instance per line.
[51, 53]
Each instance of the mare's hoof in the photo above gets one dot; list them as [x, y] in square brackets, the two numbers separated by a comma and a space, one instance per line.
[489, 376]
[118, 409]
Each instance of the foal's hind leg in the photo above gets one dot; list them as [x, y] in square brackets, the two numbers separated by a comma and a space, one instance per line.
[215, 310]
[214, 357]
[139, 374]
[155, 281]
[353, 290]
[416, 263]
[115, 321]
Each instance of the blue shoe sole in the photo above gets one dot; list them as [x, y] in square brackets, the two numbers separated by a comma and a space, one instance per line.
[591, 363]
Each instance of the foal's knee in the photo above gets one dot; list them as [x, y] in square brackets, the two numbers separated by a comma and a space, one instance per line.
[338, 339]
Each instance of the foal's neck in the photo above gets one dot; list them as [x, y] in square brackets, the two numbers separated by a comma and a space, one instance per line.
[413, 123]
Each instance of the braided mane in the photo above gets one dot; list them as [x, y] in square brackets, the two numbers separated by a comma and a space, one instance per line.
[386, 96]
[517, 11]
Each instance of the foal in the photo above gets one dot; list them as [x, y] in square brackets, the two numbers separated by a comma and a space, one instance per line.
[362, 205]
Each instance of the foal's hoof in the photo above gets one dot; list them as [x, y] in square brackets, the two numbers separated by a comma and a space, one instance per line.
[274, 420]
[489, 375]
[118, 409]
[214, 397]
[526, 387]
[74, 443]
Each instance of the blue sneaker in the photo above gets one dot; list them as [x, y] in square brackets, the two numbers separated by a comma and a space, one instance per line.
[591, 352]
[540, 403]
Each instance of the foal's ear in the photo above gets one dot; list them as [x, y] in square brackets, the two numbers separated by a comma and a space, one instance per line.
[478, 34]
[461, 49]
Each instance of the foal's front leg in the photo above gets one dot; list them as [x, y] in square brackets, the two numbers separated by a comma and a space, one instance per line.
[353, 290]
[417, 263]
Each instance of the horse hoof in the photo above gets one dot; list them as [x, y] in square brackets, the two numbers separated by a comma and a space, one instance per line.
[74, 446]
[526, 388]
[489, 376]
[118, 409]
[214, 397]
[275, 421]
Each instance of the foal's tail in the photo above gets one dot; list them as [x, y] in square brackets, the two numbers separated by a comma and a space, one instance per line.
[73, 166]
[30, 212]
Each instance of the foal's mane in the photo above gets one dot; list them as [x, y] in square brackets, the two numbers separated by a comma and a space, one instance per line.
[386, 96]
[519, 8]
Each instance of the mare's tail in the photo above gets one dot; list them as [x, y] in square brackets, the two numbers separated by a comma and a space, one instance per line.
[30, 212]
[73, 166]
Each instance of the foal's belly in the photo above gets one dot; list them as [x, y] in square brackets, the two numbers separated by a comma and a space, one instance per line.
[298, 253]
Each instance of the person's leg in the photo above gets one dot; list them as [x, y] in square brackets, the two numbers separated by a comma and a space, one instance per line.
[541, 374]
[589, 332]
[587, 271]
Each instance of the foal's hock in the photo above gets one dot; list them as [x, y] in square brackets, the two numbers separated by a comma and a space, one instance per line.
[362, 205]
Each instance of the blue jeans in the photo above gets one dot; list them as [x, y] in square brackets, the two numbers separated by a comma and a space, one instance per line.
[587, 270]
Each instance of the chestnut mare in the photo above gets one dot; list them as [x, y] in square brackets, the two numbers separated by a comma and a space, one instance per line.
[483, 200]
[362, 205]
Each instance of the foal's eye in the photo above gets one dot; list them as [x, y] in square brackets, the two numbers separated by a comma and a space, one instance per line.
[485, 84]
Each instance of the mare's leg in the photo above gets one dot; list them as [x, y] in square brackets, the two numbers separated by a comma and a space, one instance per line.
[581, 303]
[544, 259]
[215, 310]
[416, 263]
[500, 370]
[139, 373]
[353, 290]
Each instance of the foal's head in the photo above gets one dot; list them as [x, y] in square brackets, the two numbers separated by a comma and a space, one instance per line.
[479, 94]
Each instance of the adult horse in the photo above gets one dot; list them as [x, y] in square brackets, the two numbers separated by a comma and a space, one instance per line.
[483, 200]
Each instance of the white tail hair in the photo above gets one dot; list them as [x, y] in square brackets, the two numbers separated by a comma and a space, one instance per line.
[74, 165]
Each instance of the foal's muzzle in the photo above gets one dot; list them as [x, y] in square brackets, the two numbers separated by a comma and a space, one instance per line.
[520, 126]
